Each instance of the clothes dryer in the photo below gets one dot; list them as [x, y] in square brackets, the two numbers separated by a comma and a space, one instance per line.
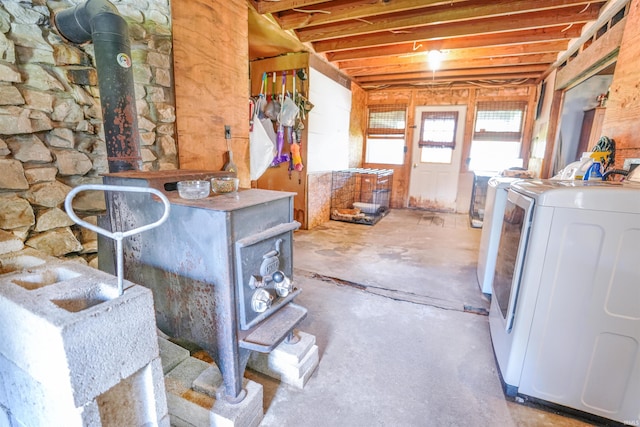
[565, 312]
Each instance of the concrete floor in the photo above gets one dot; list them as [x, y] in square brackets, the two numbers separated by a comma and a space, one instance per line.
[399, 321]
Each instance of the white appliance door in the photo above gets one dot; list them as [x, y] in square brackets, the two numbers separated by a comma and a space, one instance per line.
[511, 254]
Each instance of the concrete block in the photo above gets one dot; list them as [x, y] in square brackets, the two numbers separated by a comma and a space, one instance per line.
[35, 403]
[189, 407]
[3, 392]
[23, 259]
[171, 354]
[5, 420]
[292, 364]
[69, 338]
[292, 354]
[72, 313]
[137, 400]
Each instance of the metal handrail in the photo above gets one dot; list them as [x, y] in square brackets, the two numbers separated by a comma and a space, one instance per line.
[118, 235]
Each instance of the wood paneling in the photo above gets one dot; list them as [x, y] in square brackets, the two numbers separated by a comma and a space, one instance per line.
[446, 96]
[598, 55]
[211, 83]
[357, 126]
[623, 106]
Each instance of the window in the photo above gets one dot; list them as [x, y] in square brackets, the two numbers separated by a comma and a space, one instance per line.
[386, 134]
[438, 129]
[437, 136]
[497, 135]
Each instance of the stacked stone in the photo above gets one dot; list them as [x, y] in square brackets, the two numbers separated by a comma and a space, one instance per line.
[51, 135]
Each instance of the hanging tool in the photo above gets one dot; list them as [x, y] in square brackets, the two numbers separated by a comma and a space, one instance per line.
[280, 157]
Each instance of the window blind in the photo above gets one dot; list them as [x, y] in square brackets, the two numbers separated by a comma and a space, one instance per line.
[387, 121]
[499, 121]
[438, 129]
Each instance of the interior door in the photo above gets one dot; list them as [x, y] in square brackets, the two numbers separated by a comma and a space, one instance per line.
[434, 182]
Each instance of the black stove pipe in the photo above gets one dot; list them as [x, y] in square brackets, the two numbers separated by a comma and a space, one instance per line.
[99, 21]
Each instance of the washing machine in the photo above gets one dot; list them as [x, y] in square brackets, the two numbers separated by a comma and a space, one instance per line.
[565, 309]
[493, 210]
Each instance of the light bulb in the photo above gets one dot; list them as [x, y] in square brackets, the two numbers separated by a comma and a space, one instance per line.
[434, 59]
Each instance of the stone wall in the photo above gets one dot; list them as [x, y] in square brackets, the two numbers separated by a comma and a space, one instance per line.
[51, 136]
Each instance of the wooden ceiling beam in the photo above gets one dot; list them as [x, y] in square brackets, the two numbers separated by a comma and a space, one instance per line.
[416, 66]
[460, 54]
[467, 73]
[501, 81]
[266, 6]
[526, 21]
[338, 11]
[475, 10]
[507, 38]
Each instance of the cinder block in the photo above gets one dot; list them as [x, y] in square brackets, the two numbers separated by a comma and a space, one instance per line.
[171, 354]
[292, 354]
[189, 407]
[5, 420]
[137, 400]
[292, 364]
[23, 259]
[68, 338]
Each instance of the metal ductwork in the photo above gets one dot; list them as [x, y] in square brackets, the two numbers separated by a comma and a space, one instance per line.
[100, 22]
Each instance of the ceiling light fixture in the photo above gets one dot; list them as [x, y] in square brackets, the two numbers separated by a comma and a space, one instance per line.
[434, 59]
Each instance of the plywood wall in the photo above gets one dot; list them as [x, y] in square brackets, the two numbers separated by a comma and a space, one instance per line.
[468, 96]
[623, 107]
[211, 83]
[357, 126]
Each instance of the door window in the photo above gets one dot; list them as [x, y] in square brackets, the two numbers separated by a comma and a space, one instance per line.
[437, 136]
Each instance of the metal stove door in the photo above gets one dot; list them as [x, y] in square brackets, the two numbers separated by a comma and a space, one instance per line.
[264, 266]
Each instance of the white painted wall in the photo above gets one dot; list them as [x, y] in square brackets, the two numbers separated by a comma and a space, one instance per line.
[328, 132]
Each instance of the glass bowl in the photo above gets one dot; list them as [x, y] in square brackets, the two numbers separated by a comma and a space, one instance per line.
[225, 184]
[194, 189]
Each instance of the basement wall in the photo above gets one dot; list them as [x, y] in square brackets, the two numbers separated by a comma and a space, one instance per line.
[51, 135]
[433, 96]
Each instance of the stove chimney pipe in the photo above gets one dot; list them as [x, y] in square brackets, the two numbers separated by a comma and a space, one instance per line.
[99, 21]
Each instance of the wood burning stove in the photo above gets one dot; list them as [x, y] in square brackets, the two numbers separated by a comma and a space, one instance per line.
[220, 268]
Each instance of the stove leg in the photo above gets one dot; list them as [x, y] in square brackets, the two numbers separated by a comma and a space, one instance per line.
[292, 338]
[233, 377]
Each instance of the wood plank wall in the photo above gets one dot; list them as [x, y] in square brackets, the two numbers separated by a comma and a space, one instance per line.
[211, 83]
[448, 96]
[357, 126]
[623, 106]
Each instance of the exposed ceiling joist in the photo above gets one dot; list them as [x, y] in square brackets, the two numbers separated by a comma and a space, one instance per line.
[384, 42]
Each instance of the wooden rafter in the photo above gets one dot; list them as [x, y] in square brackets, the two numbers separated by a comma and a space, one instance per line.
[545, 59]
[476, 10]
[525, 21]
[280, 5]
[550, 48]
[556, 34]
[510, 72]
[384, 42]
[339, 11]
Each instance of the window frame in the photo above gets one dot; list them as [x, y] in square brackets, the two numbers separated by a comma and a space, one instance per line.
[387, 133]
[438, 114]
[484, 106]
